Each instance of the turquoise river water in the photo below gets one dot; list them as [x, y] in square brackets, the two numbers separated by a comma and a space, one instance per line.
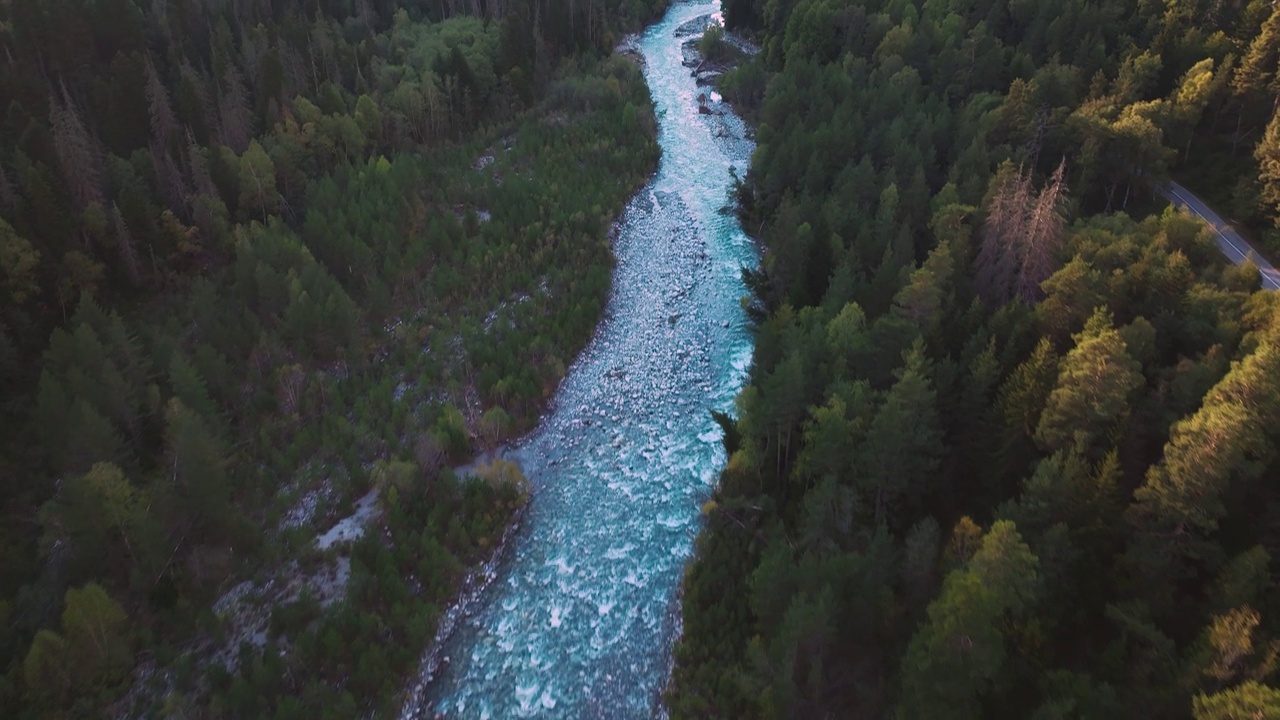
[582, 611]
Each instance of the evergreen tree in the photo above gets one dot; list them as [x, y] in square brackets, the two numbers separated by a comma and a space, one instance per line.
[958, 654]
[899, 458]
[1095, 380]
[1267, 153]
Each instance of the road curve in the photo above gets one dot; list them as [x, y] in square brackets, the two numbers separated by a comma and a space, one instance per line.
[1236, 248]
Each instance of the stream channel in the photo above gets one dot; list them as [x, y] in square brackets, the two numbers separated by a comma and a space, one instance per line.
[582, 611]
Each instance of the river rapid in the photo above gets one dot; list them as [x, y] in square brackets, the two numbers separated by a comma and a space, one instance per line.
[580, 617]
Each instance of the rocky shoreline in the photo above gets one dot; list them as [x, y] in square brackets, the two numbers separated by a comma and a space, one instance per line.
[707, 71]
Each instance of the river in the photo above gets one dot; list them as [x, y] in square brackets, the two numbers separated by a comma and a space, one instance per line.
[581, 615]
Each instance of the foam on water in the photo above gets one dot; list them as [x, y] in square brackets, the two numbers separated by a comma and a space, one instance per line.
[581, 617]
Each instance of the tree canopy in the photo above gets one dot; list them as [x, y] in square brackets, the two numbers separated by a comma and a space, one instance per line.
[1008, 438]
[258, 260]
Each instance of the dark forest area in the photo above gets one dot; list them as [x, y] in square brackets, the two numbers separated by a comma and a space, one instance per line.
[1008, 448]
[258, 259]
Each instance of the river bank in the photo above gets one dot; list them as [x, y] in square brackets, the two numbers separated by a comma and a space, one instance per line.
[370, 539]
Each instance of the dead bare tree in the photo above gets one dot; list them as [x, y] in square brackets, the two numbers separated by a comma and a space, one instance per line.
[996, 261]
[1021, 236]
[1043, 238]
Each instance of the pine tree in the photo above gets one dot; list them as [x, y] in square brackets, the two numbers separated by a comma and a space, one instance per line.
[105, 520]
[1224, 444]
[190, 388]
[235, 121]
[1255, 71]
[1074, 293]
[783, 393]
[1247, 701]
[1023, 396]
[198, 483]
[923, 299]
[1267, 153]
[903, 444]
[76, 151]
[169, 177]
[164, 124]
[96, 629]
[1230, 646]
[1091, 400]
[90, 438]
[1225, 439]
[91, 654]
[258, 194]
[198, 168]
[1244, 581]
[959, 652]
[208, 209]
[47, 672]
[920, 559]
[834, 428]
[8, 194]
[19, 262]
[125, 247]
[192, 103]
[1196, 88]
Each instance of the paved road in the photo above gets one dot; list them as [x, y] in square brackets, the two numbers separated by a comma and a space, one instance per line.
[1236, 248]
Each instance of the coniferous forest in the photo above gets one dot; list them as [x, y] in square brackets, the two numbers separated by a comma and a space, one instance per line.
[256, 259]
[1008, 448]
[1009, 442]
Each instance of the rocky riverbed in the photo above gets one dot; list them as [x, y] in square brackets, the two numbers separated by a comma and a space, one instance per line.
[580, 613]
